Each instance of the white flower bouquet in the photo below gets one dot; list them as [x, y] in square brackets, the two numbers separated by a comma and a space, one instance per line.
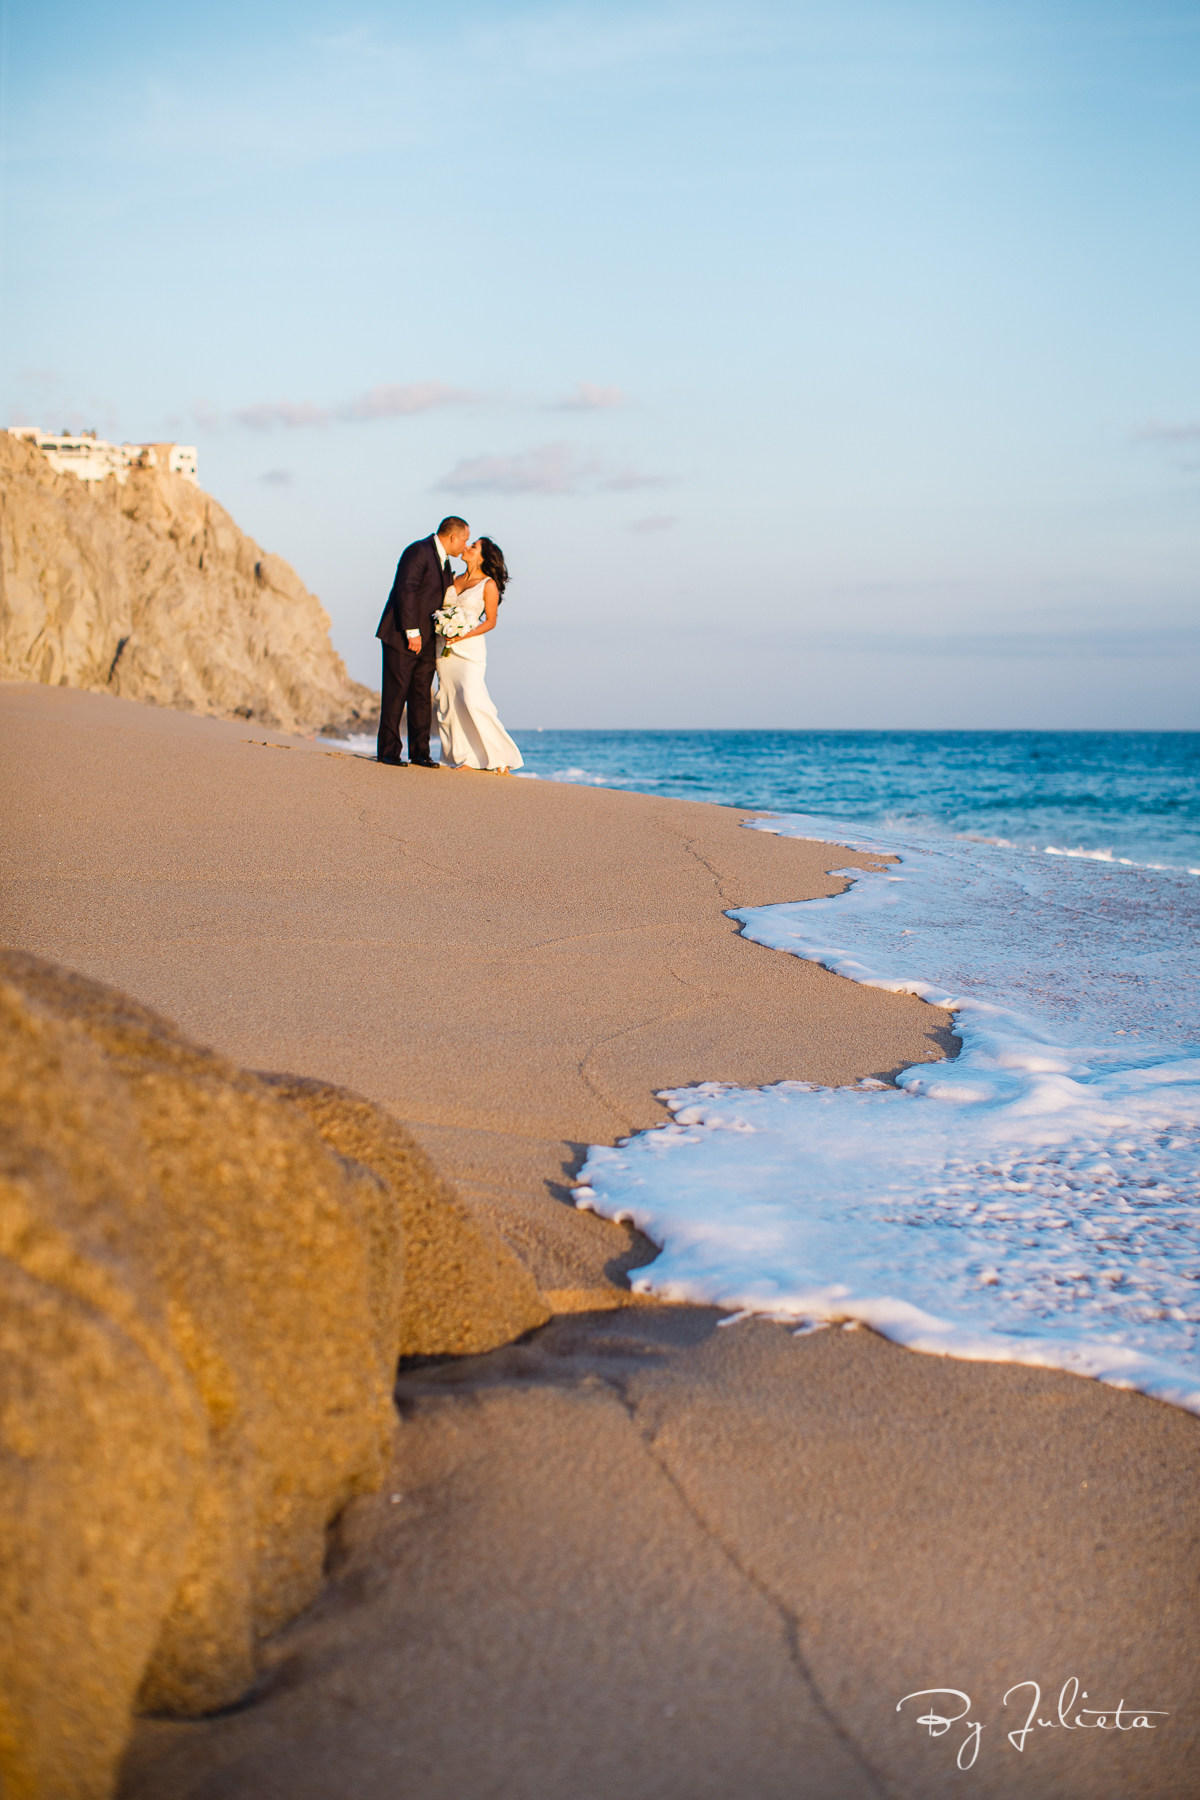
[451, 622]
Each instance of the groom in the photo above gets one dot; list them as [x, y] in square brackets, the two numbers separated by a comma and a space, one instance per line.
[410, 642]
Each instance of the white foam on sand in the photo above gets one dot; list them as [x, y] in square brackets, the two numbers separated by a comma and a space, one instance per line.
[1035, 1200]
[358, 743]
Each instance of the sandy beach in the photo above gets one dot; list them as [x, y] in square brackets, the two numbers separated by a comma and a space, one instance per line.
[637, 1554]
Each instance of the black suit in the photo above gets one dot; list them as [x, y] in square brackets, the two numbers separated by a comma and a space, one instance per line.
[417, 592]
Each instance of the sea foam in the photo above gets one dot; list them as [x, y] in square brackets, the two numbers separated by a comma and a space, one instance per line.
[1036, 1199]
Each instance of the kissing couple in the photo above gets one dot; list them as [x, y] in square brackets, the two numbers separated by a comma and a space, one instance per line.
[436, 621]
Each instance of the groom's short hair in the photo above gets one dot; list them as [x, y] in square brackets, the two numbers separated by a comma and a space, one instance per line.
[451, 524]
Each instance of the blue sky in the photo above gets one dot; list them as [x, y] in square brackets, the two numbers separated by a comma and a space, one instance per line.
[814, 365]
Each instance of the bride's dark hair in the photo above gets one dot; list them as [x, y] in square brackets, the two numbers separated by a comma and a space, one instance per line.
[493, 564]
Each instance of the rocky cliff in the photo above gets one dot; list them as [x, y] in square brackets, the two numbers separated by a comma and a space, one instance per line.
[151, 592]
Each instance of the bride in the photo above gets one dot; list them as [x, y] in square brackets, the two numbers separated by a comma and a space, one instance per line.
[468, 723]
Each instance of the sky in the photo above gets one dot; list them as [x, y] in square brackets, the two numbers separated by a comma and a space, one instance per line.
[814, 366]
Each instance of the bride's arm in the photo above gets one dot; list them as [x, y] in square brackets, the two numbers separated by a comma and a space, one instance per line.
[491, 600]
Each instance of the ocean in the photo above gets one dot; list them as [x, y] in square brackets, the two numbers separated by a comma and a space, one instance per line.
[1037, 1198]
[1132, 795]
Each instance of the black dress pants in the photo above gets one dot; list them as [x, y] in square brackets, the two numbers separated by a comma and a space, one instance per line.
[407, 681]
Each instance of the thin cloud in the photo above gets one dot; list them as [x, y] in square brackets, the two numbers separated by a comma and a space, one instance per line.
[590, 398]
[277, 478]
[1168, 434]
[548, 469]
[627, 479]
[388, 400]
[287, 413]
[556, 468]
[655, 522]
[395, 401]
[1169, 642]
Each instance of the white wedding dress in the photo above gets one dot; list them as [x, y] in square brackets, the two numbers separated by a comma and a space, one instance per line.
[468, 723]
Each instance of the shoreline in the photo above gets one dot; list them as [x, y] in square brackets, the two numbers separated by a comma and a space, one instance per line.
[1050, 1177]
[635, 1554]
[566, 945]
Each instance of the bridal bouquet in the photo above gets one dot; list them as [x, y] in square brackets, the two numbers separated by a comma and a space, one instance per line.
[451, 622]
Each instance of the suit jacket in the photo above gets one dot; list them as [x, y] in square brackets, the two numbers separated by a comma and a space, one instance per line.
[417, 592]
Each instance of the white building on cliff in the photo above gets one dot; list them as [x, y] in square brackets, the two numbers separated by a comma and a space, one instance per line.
[92, 459]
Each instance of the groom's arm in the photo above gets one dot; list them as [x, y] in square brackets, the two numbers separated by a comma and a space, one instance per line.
[412, 598]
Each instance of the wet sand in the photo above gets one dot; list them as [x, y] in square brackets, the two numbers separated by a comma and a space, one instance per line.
[641, 1554]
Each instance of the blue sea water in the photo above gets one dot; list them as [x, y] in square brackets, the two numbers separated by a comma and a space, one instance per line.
[1120, 794]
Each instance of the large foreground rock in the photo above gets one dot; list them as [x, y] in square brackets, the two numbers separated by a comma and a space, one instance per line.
[151, 592]
[202, 1301]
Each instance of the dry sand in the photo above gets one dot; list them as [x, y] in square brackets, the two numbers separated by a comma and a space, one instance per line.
[640, 1555]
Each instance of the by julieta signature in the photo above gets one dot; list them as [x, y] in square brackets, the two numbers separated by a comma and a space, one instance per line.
[1070, 1716]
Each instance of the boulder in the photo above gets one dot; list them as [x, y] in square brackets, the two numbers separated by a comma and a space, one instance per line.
[465, 1291]
[204, 1293]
